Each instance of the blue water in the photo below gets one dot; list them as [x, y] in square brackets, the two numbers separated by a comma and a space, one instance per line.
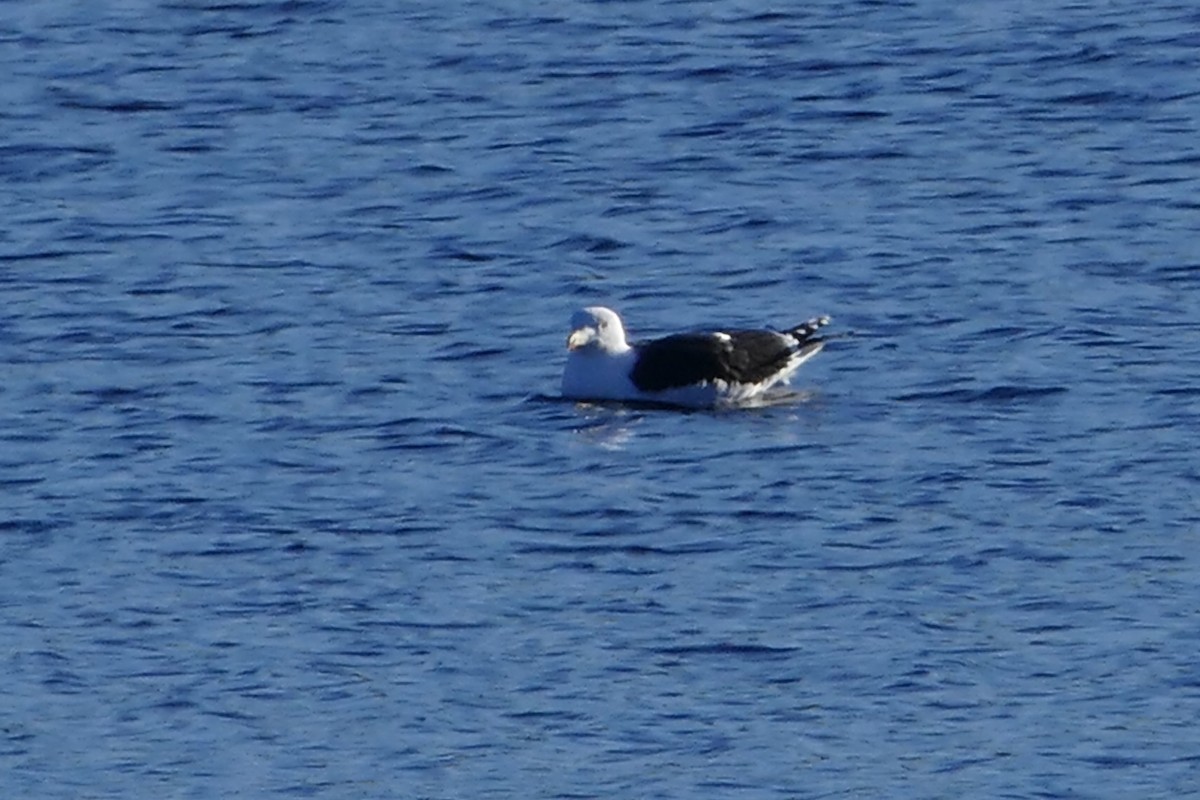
[288, 507]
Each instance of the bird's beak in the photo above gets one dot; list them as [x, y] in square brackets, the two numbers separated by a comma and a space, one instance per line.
[579, 337]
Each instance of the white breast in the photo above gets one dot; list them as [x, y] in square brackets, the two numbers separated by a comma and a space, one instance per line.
[597, 376]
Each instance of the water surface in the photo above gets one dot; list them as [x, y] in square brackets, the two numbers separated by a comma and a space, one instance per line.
[288, 506]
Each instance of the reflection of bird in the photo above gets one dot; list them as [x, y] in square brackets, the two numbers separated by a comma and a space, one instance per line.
[687, 369]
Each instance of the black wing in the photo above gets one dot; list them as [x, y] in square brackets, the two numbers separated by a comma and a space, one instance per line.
[690, 358]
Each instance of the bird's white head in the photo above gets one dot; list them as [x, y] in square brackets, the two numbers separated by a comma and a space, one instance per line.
[597, 328]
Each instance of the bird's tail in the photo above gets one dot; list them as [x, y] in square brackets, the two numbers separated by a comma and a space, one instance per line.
[806, 332]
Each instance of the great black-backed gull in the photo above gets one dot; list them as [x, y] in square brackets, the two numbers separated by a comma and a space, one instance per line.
[697, 370]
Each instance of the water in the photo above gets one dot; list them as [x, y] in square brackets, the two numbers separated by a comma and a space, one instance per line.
[289, 508]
